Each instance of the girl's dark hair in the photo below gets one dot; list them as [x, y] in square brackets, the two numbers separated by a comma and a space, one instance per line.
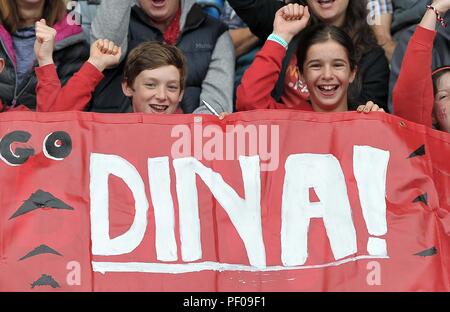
[321, 33]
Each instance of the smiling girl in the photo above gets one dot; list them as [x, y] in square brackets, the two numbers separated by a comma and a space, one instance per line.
[326, 61]
[348, 15]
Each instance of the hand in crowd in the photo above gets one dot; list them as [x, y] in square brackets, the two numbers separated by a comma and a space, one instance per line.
[45, 43]
[442, 6]
[290, 20]
[369, 107]
[104, 54]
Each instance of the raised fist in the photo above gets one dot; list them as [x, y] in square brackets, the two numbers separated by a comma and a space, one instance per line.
[290, 20]
[45, 43]
[105, 54]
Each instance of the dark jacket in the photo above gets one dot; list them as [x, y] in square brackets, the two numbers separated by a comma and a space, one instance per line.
[199, 27]
[71, 51]
[373, 68]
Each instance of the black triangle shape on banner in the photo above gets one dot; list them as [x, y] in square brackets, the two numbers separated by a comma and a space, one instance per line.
[418, 152]
[427, 252]
[40, 199]
[42, 249]
[422, 198]
[46, 280]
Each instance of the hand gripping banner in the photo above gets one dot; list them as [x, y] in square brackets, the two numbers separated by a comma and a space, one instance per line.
[261, 201]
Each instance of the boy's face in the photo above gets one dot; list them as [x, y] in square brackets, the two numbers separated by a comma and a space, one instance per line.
[155, 91]
[2, 64]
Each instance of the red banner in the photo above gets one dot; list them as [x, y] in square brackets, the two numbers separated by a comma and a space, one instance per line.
[262, 201]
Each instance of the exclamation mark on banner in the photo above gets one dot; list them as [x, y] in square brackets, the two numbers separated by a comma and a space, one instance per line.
[370, 168]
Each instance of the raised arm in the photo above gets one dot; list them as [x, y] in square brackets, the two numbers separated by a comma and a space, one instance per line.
[256, 86]
[413, 97]
[76, 94]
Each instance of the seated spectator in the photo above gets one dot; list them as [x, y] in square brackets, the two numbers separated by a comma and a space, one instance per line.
[421, 95]
[326, 60]
[204, 40]
[154, 78]
[77, 93]
[351, 16]
[17, 37]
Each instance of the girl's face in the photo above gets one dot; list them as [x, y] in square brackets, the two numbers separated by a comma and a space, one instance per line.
[331, 12]
[327, 74]
[442, 102]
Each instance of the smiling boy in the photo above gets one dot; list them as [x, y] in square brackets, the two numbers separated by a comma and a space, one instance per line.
[154, 78]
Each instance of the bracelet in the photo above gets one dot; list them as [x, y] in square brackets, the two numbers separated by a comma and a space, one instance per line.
[278, 39]
[438, 15]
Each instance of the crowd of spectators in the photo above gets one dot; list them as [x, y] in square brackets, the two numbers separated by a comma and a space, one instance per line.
[176, 56]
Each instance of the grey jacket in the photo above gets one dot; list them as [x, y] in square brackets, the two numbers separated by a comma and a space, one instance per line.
[113, 20]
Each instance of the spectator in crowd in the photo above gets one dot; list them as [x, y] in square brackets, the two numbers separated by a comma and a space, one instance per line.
[351, 16]
[389, 18]
[204, 40]
[421, 95]
[154, 75]
[17, 38]
[154, 78]
[77, 93]
[407, 13]
[326, 59]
